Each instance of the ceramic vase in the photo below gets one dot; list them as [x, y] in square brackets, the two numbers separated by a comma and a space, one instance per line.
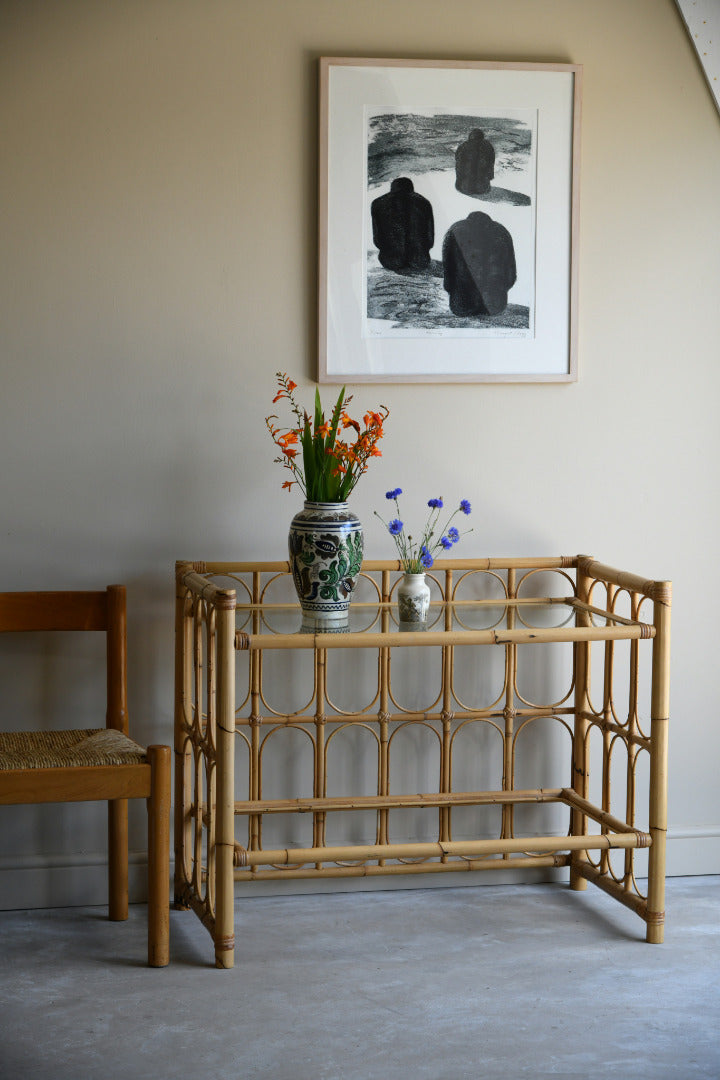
[413, 594]
[325, 546]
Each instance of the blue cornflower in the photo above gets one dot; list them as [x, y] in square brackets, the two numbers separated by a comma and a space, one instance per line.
[446, 542]
[395, 527]
[436, 504]
[425, 557]
[453, 534]
[465, 506]
[393, 494]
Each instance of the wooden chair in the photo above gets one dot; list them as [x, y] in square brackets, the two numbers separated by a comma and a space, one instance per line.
[99, 763]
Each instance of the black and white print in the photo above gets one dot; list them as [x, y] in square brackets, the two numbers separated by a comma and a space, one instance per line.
[449, 222]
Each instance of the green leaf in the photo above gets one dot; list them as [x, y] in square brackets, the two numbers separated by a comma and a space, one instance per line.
[308, 450]
[337, 411]
[318, 409]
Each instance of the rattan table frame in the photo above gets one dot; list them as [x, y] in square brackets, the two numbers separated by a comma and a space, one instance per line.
[208, 856]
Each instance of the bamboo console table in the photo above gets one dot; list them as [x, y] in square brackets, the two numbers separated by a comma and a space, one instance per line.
[237, 625]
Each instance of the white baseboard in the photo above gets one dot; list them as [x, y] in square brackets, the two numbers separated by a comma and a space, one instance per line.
[693, 851]
[78, 880]
[42, 881]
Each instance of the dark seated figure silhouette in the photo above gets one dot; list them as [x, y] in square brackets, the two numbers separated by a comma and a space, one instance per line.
[474, 164]
[478, 265]
[403, 227]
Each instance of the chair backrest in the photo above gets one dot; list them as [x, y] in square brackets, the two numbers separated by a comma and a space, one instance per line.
[104, 611]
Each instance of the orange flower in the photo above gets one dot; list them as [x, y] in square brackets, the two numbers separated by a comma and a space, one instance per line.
[285, 390]
[373, 420]
[347, 422]
[306, 449]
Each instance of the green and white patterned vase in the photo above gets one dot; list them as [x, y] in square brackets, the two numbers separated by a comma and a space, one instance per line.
[325, 546]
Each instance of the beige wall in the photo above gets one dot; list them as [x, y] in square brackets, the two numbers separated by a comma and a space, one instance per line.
[158, 221]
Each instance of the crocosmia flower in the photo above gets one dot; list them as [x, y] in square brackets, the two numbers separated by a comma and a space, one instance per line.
[313, 448]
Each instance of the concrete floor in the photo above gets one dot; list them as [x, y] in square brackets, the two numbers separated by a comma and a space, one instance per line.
[505, 981]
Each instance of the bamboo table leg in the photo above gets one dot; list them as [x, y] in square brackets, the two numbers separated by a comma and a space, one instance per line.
[225, 821]
[658, 764]
[580, 777]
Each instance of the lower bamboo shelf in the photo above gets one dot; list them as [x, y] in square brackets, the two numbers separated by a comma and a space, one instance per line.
[249, 681]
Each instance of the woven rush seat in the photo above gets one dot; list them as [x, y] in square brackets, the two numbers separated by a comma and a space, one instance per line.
[68, 749]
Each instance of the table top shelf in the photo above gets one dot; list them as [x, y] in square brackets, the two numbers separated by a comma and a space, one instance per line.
[374, 624]
[487, 601]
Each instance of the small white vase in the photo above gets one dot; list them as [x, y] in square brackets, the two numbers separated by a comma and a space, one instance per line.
[413, 596]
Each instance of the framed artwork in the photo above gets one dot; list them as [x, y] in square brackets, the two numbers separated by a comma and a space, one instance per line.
[448, 221]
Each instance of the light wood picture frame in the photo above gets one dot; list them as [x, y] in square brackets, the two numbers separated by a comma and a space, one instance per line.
[448, 214]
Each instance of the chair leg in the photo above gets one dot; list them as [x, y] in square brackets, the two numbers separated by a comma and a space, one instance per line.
[159, 857]
[118, 859]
